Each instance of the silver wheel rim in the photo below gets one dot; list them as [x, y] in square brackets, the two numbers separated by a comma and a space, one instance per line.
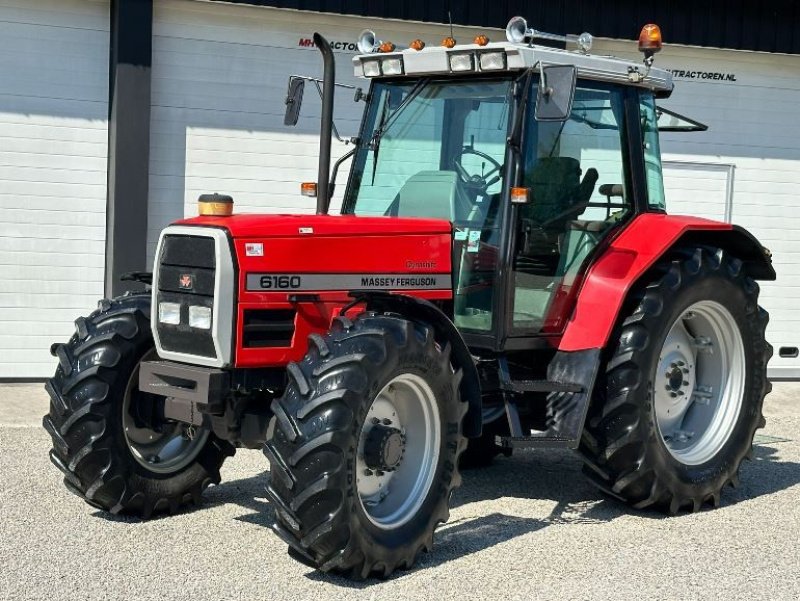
[699, 383]
[164, 452]
[392, 498]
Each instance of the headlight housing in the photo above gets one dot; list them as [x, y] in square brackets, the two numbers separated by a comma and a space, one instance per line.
[462, 62]
[392, 66]
[372, 68]
[492, 61]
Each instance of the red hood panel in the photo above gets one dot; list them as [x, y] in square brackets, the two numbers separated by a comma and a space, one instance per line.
[269, 226]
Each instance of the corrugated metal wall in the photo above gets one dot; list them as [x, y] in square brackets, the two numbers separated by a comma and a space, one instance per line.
[768, 26]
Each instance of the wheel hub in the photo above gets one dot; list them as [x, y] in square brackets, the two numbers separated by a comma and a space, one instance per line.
[699, 382]
[675, 379]
[384, 448]
[398, 451]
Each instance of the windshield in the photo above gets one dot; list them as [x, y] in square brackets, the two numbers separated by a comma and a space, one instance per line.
[432, 149]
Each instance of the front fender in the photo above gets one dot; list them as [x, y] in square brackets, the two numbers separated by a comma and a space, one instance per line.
[629, 256]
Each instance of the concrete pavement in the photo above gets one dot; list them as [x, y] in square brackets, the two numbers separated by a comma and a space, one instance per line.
[529, 527]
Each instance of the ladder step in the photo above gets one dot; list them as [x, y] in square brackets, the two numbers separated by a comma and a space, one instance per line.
[544, 440]
[541, 386]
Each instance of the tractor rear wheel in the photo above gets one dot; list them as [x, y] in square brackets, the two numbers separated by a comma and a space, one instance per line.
[108, 454]
[364, 446]
[680, 400]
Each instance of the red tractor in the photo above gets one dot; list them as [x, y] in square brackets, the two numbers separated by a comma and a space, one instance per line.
[503, 275]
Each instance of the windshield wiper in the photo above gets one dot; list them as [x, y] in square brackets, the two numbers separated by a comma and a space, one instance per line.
[387, 119]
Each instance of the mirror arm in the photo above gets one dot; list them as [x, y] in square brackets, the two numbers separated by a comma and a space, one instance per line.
[333, 123]
[342, 159]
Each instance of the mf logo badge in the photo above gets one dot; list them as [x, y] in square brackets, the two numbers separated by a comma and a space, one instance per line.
[186, 281]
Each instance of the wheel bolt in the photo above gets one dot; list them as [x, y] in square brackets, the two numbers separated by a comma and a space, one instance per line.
[367, 472]
[387, 422]
[379, 473]
[375, 420]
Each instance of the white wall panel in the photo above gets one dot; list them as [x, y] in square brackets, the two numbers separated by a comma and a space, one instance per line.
[53, 140]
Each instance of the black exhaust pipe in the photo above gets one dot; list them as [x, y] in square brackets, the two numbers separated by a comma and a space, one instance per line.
[326, 124]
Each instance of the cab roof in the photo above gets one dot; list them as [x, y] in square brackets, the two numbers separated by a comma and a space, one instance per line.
[434, 60]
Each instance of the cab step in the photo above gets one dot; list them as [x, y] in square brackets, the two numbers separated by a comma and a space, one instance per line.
[570, 381]
[539, 440]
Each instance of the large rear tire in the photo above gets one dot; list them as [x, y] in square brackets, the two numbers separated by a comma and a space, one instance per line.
[364, 446]
[682, 393]
[107, 455]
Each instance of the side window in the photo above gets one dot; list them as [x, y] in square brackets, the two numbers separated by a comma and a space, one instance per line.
[578, 176]
[652, 153]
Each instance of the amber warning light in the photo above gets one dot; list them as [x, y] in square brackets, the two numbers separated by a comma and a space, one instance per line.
[215, 205]
[650, 39]
[308, 189]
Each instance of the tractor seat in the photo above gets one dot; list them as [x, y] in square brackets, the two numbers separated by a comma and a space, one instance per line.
[433, 194]
[556, 187]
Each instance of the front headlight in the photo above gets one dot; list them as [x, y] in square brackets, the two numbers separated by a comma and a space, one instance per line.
[169, 313]
[200, 317]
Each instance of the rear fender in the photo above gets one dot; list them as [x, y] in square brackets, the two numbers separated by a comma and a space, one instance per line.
[419, 309]
[632, 253]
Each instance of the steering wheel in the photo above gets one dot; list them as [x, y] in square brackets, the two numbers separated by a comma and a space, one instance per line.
[477, 184]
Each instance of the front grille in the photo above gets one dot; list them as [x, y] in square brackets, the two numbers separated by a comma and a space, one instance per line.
[186, 275]
[268, 328]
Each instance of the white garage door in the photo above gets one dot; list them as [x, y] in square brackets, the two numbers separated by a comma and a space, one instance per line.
[219, 84]
[53, 139]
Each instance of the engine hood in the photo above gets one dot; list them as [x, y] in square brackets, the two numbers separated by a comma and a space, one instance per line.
[271, 226]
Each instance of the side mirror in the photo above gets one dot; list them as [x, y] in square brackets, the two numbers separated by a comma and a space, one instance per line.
[556, 92]
[294, 99]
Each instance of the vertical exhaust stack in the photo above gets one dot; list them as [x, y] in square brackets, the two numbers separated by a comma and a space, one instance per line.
[326, 124]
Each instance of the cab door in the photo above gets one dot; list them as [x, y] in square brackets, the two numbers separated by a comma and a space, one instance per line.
[578, 173]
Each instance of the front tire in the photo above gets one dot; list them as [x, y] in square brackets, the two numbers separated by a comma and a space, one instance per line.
[108, 457]
[683, 389]
[364, 446]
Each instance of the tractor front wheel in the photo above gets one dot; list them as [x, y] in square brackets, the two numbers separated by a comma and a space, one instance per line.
[103, 442]
[364, 446]
[681, 396]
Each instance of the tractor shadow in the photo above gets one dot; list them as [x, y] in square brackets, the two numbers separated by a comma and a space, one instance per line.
[555, 475]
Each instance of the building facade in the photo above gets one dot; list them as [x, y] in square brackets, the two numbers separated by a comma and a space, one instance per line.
[115, 116]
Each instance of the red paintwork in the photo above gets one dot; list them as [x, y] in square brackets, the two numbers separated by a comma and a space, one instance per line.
[338, 244]
[610, 278]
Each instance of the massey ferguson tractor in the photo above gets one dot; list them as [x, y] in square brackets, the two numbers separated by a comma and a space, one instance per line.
[503, 275]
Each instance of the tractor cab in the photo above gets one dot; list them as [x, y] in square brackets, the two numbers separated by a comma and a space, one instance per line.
[532, 153]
